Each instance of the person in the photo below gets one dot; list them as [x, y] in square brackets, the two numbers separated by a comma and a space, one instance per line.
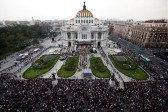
[81, 95]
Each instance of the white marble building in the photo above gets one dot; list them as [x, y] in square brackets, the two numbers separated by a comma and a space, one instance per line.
[85, 30]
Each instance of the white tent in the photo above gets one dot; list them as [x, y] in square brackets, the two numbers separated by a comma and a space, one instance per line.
[112, 83]
[54, 83]
[94, 48]
[117, 50]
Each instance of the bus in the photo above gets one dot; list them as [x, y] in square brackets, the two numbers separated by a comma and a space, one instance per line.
[144, 59]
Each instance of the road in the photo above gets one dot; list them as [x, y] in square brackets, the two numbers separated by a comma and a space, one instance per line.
[9, 61]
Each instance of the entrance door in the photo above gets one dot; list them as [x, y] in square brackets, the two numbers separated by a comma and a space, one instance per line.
[99, 44]
[84, 45]
[69, 44]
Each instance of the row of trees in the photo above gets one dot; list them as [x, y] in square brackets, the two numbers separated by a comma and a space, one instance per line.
[15, 38]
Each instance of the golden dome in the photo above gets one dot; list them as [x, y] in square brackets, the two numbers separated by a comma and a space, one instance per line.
[84, 13]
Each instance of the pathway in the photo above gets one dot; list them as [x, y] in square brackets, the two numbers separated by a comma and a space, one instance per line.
[112, 69]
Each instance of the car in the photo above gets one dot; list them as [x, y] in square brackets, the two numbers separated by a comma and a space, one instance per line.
[63, 57]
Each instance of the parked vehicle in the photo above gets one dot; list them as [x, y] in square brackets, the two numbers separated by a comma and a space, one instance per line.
[63, 57]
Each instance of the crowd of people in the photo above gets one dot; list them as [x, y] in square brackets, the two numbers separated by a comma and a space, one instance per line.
[82, 95]
[83, 60]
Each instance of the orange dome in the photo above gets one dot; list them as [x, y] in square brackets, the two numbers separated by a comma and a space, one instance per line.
[84, 12]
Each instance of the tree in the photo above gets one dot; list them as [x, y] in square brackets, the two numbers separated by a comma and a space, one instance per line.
[18, 37]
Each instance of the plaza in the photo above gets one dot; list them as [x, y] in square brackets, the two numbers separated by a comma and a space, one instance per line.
[84, 38]
[84, 55]
[84, 64]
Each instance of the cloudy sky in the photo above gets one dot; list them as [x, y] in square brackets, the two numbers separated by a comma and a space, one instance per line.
[67, 9]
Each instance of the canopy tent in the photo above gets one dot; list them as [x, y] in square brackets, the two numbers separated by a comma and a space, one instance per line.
[87, 73]
[94, 48]
[117, 50]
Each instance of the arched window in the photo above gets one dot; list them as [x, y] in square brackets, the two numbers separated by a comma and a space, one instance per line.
[76, 21]
[85, 36]
[83, 21]
[92, 35]
[89, 21]
[69, 35]
[76, 36]
[86, 21]
[92, 21]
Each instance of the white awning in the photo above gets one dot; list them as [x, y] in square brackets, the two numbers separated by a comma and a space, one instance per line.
[36, 49]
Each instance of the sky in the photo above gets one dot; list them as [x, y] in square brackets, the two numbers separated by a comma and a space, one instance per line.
[67, 9]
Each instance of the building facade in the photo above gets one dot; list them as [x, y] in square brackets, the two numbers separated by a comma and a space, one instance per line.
[152, 33]
[84, 29]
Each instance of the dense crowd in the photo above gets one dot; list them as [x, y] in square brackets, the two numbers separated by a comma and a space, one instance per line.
[83, 57]
[75, 95]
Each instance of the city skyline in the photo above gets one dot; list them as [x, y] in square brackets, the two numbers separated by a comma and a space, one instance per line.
[49, 10]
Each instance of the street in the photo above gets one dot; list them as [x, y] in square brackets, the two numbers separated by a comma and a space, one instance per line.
[7, 64]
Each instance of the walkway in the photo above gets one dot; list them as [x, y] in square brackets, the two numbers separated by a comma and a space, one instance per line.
[112, 69]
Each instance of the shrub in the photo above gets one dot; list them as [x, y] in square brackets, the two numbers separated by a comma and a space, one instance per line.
[37, 70]
[69, 68]
[44, 62]
[135, 71]
[70, 64]
[98, 68]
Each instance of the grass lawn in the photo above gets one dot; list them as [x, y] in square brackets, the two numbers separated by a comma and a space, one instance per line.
[41, 66]
[98, 68]
[134, 71]
[69, 68]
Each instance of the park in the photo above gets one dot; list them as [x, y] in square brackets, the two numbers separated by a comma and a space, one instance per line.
[41, 66]
[128, 67]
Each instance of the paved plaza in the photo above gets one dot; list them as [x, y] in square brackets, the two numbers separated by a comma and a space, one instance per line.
[49, 47]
